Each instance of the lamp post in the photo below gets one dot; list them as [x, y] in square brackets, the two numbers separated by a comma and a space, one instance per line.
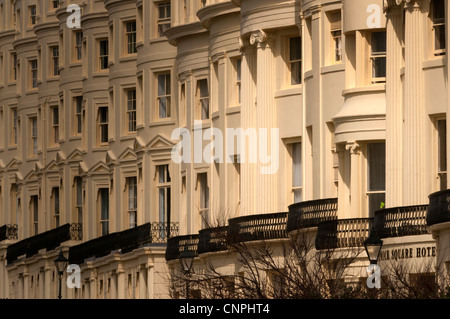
[187, 260]
[373, 245]
[61, 265]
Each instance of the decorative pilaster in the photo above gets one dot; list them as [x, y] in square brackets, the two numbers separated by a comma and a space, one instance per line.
[394, 107]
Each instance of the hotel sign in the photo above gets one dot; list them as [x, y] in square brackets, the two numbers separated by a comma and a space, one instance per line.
[405, 253]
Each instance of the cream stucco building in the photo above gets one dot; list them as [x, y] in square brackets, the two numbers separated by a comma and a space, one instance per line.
[347, 99]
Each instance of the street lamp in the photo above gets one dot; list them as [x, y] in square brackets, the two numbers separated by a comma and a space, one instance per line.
[61, 265]
[187, 260]
[373, 246]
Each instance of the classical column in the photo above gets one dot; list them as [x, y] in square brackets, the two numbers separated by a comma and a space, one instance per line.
[41, 283]
[120, 284]
[47, 283]
[248, 100]
[343, 181]
[3, 281]
[150, 282]
[415, 131]
[355, 188]
[394, 104]
[265, 119]
[142, 282]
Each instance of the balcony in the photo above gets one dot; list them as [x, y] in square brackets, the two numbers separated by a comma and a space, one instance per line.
[257, 227]
[48, 240]
[8, 232]
[401, 221]
[438, 210]
[343, 233]
[176, 245]
[311, 213]
[124, 241]
[212, 240]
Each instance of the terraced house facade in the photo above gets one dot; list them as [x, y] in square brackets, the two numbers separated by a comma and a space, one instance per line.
[356, 91]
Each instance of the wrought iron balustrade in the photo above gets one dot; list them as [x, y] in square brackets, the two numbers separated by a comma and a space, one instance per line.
[8, 232]
[162, 231]
[124, 241]
[311, 213]
[178, 244]
[212, 239]
[343, 233]
[257, 227]
[439, 208]
[401, 221]
[48, 240]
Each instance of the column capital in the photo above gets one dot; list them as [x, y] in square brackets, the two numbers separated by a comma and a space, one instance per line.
[245, 46]
[260, 37]
[354, 148]
[415, 4]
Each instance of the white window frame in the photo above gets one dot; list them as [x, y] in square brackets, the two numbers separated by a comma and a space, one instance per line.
[441, 125]
[294, 60]
[437, 23]
[55, 124]
[131, 110]
[166, 95]
[130, 37]
[203, 99]
[54, 61]
[374, 56]
[163, 21]
[132, 201]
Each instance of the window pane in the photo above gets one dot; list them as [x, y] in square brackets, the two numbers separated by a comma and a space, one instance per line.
[296, 165]
[162, 107]
[295, 48]
[378, 43]
[379, 67]
[439, 37]
[296, 76]
[375, 201]
[205, 109]
[203, 84]
[376, 166]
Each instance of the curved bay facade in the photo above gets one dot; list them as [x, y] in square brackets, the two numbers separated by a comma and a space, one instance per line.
[342, 104]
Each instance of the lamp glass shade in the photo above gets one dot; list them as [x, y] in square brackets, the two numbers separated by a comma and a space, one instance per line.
[61, 262]
[373, 246]
[187, 260]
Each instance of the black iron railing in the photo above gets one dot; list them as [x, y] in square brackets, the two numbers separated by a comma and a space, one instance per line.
[212, 239]
[257, 227]
[178, 244]
[439, 208]
[343, 233]
[311, 213]
[8, 232]
[162, 231]
[48, 240]
[401, 221]
[123, 242]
